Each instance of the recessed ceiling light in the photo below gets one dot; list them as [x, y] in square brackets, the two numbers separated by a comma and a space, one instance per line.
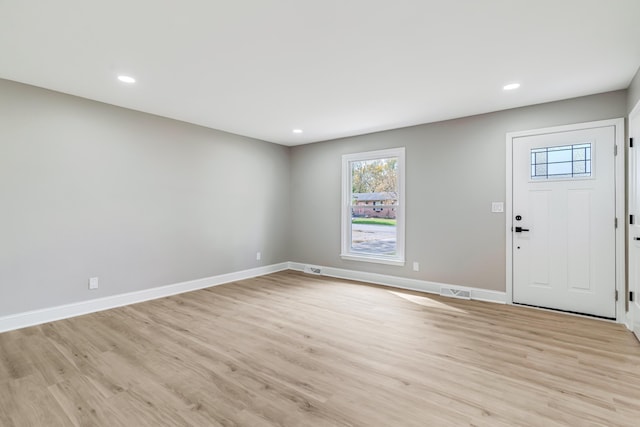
[511, 86]
[297, 131]
[126, 79]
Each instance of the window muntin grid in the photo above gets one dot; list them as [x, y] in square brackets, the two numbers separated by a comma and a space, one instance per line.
[566, 161]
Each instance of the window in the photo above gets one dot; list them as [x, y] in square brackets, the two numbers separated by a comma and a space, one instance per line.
[373, 206]
[566, 161]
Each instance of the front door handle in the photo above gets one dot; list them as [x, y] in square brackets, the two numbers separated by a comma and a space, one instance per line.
[520, 229]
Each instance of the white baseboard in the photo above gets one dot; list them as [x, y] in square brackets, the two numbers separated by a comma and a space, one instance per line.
[36, 317]
[404, 283]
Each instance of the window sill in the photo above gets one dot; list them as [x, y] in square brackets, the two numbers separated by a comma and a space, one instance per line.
[373, 259]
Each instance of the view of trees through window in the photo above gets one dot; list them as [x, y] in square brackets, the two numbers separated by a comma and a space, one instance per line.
[375, 176]
[374, 202]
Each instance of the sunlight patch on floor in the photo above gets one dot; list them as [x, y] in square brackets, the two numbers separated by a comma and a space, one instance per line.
[426, 301]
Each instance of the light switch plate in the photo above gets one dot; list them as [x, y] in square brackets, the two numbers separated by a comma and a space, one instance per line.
[497, 207]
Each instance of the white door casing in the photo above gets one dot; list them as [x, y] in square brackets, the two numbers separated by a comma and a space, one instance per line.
[634, 228]
[571, 258]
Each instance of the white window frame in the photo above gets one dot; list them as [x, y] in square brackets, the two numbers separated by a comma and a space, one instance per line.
[346, 253]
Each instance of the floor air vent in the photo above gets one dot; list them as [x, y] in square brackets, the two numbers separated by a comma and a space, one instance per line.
[455, 293]
[311, 269]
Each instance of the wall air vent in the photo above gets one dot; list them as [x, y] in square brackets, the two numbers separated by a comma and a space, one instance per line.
[312, 269]
[455, 293]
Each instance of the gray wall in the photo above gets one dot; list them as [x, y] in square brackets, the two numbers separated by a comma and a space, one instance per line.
[454, 170]
[634, 92]
[88, 189]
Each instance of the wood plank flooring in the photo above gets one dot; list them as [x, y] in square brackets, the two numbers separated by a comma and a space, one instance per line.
[290, 349]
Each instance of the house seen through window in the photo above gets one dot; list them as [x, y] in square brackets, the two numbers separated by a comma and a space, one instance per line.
[373, 206]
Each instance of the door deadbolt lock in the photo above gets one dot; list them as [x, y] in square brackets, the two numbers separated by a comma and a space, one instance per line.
[518, 217]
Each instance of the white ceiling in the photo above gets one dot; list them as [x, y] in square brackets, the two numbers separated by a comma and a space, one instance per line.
[333, 68]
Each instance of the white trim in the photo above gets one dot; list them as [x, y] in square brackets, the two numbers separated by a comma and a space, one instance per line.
[36, 317]
[372, 258]
[621, 215]
[508, 214]
[631, 321]
[345, 221]
[404, 283]
[618, 125]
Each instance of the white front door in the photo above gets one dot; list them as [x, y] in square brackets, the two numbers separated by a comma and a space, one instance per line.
[564, 247]
[634, 228]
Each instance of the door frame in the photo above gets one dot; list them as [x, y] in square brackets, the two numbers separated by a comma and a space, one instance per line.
[631, 320]
[620, 233]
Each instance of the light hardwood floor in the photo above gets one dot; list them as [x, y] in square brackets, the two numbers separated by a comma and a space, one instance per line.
[290, 349]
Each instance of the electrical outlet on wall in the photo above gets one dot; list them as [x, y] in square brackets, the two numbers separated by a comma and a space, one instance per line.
[93, 283]
[416, 266]
[258, 256]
